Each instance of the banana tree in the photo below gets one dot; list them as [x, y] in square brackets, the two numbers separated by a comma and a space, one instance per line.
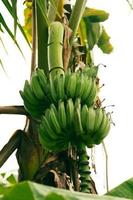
[64, 114]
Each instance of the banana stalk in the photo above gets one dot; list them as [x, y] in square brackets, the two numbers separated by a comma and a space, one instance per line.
[55, 48]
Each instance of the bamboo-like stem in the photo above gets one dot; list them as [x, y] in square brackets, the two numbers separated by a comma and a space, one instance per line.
[17, 110]
[33, 57]
[55, 48]
[10, 147]
[76, 16]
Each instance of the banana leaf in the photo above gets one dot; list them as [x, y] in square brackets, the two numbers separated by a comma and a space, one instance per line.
[33, 191]
[123, 190]
[95, 15]
[104, 42]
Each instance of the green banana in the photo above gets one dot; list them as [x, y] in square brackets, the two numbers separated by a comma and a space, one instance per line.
[42, 79]
[34, 110]
[52, 90]
[45, 124]
[92, 95]
[71, 86]
[67, 76]
[91, 71]
[77, 122]
[87, 89]
[60, 86]
[103, 134]
[69, 112]
[80, 85]
[29, 93]
[99, 117]
[54, 123]
[101, 130]
[84, 115]
[62, 115]
[36, 87]
[53, 107]
[90, 121]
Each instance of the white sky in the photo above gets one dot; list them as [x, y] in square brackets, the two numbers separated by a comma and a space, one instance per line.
[117, 90]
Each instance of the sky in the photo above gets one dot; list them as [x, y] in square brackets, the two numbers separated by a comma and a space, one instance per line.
[117, 77]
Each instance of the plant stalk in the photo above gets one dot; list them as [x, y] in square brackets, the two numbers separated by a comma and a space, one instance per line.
[42, 37]
[16, 110]
[76, 16]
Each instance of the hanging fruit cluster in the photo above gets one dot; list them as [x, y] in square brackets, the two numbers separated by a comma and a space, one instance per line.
[65, 102]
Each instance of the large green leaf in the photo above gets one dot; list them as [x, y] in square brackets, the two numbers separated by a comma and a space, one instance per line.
[123, 190]
[96, 15]
[33, 191]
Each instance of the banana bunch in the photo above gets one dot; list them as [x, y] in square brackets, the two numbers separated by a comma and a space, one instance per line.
[72, 123]
[80, 85]
[42, 91]
[35, 94]
[96, 124]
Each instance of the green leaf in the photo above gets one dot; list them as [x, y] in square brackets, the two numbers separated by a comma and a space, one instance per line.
[41, 6]
[104, 43]
[53, 9]
[123, 190]
[32, 191]
[14, 13]
[96, 15]
[93, 32]
[11, 179]
[54, 196]
[2, 21]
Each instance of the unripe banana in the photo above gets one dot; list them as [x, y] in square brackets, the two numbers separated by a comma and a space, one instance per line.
[90, 120]
[42, 79]
[84, 115]
[99, 118]
[103, 134]
[60, 86]
[34, 110]
[100, 132]
[52, 90]
[70, 112]
[87, 89]
[80, 85]
[29, 93]
[62, 115]
[91, 71]
[53, 107]
[36, 87]
[77, 122]
[92, 95]
[71, 86]
[47, 128]
[54, 122]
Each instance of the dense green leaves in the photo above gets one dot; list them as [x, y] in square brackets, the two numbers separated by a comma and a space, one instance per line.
[123, 190]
